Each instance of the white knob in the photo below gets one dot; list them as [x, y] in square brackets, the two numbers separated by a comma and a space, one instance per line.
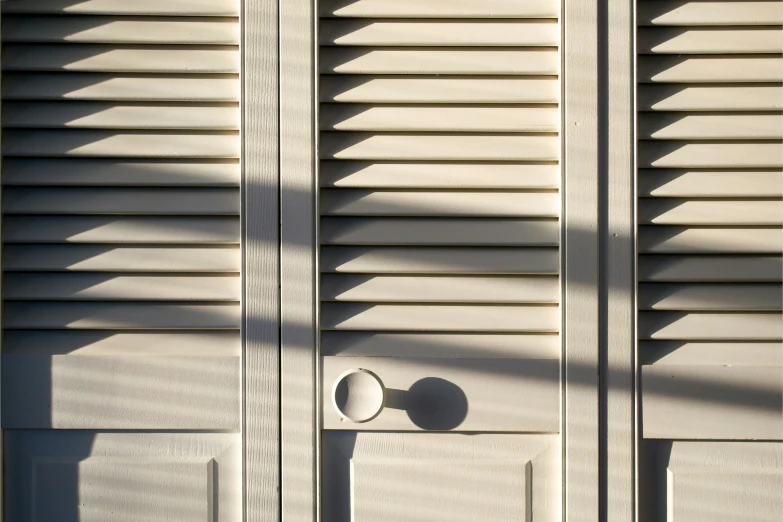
[358, 395]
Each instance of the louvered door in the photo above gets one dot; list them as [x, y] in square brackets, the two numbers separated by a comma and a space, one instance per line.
[121, 348]
[438, 170]
[710, 241]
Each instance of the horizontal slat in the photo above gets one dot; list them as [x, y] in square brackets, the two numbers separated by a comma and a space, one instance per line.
[711, 268]
[710, 326]
[426, 232]
[115, 287]
[123, 7]
[710, 155]
[100, 172]
[86, 343]
[85, 229]
[707, 297]
[712, 402]
[705, 184]
[737, 69]
[345, 202]
[96, 115]
[444, 119]
[689, 12]
[98, 29]
[126, 316]
[346, 174]
[54, 258]
[740, 240]
[439, 33]
[709, 41]
[113, 87]
[438, 61]
[344, 316]
[423, 260]
[155, 201]
[710, 212]
[668, 353]
[368, 89]
[439, 9]
[102, 58]
[710, 127]
[58, 143]
[528, 346]
[709, 98]
[338, 145]
[421, 289]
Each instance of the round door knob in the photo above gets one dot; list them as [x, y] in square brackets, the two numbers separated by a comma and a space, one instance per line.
[358, 395]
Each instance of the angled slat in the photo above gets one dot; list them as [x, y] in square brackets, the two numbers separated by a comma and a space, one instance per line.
[352, 174]
[723, 268]
[439, 289]
[710, 127]
[705, 184]
[99, 29]
[87, 229]
[709, 98]
[360, 60]
[369, 89]
[95, 143]
[710, 240]
[711, 297]
[123, 7]
[425, 232]
[126, 316]
[710, 326]
[711, 155]
[438, 33]
[697, 12]
[709, 41]
[365, 146]
[710, 212]
[115, 87]
[438, 9]
[433, 260]
[430, 203]
[103, 58]
[112, 258]
[97, 115]
[154, 201]
[443, 119]
[110, 172]
[735, 69]
[667, 353]
[120, 287]
[413, 318]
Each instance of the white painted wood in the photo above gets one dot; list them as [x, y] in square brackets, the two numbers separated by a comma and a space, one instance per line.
[432, 203]
[700, 13]
[456, 392]
[711, 354]
[709, 98]
[431, 232]
[671, 69]
[740, 155]
[707, 268]
[433, 318]
[121, 7]
[435, 345]
[437, 61]
[94, 229]
[710, 326]
[437, 90]
[712, 240]
[367, 146]
[438, 9]
[116, 87]
[346, 174]
[709, 41]
[438, 119]
[712, 127]
[724, 297]
[105, 258]
[439, 33]
[99, 29]
[115, 172]
[438, 289]
[710, 212]
[710, 183]
[434, 260]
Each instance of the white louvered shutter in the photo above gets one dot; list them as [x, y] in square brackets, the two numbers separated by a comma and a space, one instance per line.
[121, 260]
[710, 242]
